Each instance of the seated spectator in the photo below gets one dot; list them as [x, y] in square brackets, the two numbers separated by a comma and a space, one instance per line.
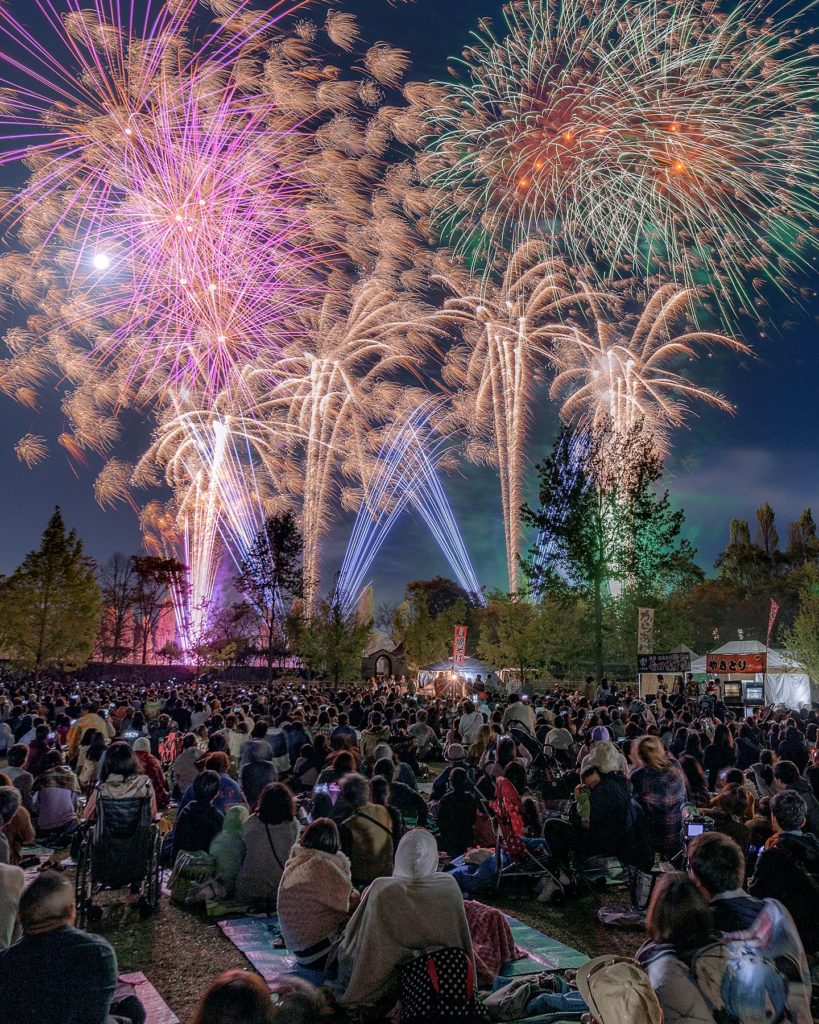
[734, 795]
[92, 751]
[18, 829]
[456, 815]
[185, 767]
[227, 850]
[659, 788]
[414, 909]
[787, 778]
[199, 822]
[76, 973]
[54, 800]
[719, 754]
[20, 778]
[519, 715]
[121, 779]
[256, 774]
[376, 733]
[426, 737]
[366, 834]
[716, 866]
[484, 737]
[788, 867]
[9, 805]
[241, 997]
[696, 788]
[409, 802]
[677, 925]
[230, 792]
[381, 796]
[152, 769]
[316, 894]
[268, 837]
[12, 883]
[38, 748]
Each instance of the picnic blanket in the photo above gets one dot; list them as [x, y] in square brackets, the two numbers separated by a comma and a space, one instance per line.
[260, 939]
[157, 1010]
[542, 952]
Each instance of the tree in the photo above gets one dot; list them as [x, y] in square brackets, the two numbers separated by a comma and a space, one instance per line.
[607, 520]
[50, 606]
[766, 539]
[742, 564]
[156, 579]
[803, 639]
[439, 593]
[117, 580]
[331, 640]
[271, 576]
[803, 545]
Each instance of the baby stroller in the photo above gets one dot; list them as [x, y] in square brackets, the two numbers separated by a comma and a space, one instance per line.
[121, 848]
[517, 859]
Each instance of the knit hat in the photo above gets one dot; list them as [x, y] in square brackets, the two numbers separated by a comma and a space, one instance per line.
[600, 732]
[455, 752]
[143, 744]
[617, 991]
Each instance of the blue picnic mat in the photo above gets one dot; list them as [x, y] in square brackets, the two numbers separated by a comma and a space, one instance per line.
[257, 938]
[543, 953]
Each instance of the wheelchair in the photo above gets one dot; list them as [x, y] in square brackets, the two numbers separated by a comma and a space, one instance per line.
[122, 847]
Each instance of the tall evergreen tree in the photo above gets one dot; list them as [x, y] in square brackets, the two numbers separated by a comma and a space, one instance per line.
[608, 520]
[50, 606]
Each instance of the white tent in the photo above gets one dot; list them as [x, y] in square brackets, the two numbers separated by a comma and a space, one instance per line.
[786, 681]
[468, 669]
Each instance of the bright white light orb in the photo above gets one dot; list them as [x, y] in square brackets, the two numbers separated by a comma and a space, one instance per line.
[101, 261]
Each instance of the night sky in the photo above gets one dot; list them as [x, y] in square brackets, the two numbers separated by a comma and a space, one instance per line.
[720, 467]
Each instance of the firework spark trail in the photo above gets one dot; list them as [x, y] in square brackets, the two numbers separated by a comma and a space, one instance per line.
[405, 474]
[327, 392]
[508, 330]
[679, 138]
[605, 374]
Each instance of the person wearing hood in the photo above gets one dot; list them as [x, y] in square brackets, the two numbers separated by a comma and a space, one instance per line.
[414, 909]
[375, 734]
[316, 895]
[150, 766]
[226, 848]
[677, 925]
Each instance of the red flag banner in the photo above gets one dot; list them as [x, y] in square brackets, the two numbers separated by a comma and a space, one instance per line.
[772, 614]
[737, 664]
[459, 644]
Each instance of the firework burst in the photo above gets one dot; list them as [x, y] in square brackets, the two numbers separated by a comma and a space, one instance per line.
[674, 138]
[623, 371]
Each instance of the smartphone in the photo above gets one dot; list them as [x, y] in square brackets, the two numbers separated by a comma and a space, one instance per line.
[694, 828]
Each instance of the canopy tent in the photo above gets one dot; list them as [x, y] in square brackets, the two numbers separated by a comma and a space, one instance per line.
[468, 669]
[786, 681]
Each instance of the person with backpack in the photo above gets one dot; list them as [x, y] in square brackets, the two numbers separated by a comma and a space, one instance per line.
[677, 925]
[415, 909]
[757, 969]
[788, 867]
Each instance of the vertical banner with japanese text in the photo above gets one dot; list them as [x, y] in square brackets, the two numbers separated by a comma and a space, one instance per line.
[645, 630]
[459, 644]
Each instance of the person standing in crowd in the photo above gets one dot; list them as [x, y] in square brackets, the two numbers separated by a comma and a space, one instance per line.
[659, 787]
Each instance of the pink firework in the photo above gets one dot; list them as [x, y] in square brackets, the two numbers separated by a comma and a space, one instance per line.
[164, 188]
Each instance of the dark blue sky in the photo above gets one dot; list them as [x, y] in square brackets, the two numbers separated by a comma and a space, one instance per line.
[721, 466]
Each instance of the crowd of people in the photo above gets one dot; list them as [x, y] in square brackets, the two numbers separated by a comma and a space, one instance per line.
[371, 820]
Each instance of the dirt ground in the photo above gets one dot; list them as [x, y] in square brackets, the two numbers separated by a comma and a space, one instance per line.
[181, 952]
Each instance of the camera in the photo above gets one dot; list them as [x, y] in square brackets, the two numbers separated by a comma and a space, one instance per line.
[696, 825]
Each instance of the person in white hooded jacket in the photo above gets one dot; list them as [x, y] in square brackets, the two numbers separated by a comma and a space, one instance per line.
[316, 894]
[414, 909]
